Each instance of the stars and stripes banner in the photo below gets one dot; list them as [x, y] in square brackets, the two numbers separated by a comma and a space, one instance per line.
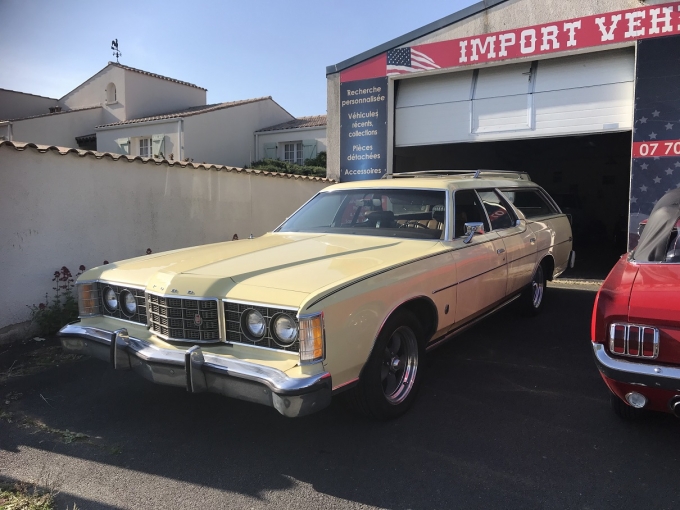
[656, 131]
[408, 60]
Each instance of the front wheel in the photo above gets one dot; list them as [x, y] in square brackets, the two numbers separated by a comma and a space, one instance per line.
[392, 375]
[533, 296]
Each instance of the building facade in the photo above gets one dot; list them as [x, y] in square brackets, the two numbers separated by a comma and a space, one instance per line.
[579, 94]
[294, 141]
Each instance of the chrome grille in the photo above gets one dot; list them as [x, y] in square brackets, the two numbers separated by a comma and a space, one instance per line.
[195, 320]
[634, 340]
[232, 314]
[139, 317]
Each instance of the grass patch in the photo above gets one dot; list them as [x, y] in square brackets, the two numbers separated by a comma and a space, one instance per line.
[21, 496]
[38, 360]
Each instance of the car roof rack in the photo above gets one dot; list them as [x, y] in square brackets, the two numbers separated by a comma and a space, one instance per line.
[476, 174]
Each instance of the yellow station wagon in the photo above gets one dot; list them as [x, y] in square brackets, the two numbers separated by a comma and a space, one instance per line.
[346, 295]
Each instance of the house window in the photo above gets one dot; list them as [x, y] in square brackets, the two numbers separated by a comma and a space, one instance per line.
[111, 93]
[292, 153]
[145, 147]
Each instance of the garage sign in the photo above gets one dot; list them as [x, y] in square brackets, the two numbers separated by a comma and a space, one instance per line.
[574, 34]
[363, 129]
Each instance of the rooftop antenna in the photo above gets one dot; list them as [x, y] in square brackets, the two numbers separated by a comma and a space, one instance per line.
[116, 51]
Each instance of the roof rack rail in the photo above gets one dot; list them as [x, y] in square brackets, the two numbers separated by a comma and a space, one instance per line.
[476, 174]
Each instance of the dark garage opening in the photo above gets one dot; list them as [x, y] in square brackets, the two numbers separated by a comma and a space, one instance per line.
[588, 176]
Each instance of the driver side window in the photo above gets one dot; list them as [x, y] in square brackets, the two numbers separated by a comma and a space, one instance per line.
[467, 209]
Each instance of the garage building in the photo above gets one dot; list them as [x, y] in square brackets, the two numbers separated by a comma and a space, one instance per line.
[583, 95]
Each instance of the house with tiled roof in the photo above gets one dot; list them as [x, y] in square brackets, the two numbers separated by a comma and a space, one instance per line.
[293, 141]
[126, 110]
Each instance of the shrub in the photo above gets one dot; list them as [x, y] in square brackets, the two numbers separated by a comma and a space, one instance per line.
[51, 316]
[276, 165]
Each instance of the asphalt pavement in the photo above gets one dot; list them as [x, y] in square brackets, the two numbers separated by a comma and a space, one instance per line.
[512, 415]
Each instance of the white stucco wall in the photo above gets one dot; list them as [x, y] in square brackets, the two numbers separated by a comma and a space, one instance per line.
[146, 95]
[92, 92]
[58, 129]
[288, 136]
[15, 105]
[106, 137]
[70, 210]
[226, 136]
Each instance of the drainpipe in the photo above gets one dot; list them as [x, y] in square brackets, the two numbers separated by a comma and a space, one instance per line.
[179, 138]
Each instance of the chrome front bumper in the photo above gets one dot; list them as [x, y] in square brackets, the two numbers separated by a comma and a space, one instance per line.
[198, 371]
[641, 374]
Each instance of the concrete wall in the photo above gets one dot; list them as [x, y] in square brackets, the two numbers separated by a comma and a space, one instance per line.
[226, 136]
[146, 95]
[58, 129]
[106, 138]
[290, 135]
[15, 105]
[506, 16]
[70, 210]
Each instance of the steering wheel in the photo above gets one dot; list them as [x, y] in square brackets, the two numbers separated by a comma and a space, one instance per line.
[412, 224]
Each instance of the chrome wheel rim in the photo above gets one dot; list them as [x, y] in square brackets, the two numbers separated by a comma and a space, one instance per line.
[538, 285]
[400, 364]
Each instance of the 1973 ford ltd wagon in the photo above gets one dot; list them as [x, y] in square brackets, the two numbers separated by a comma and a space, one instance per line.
[349, 293]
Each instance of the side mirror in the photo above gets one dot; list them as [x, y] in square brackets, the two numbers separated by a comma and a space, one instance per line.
[472, 228]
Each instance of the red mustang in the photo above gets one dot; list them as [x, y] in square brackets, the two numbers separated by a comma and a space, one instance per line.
[636, 319]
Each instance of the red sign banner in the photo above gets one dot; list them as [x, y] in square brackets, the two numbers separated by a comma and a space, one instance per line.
[660, 149]
[559, 36]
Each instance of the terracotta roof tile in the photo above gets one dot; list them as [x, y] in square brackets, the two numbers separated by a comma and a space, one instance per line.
[187, 112]
[57, 113]
[63, 151]
[300, 122]
[154, 75]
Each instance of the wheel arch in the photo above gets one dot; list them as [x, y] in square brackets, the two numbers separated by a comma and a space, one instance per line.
[548, 263]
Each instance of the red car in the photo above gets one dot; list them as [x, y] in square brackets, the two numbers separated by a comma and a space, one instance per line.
[636, 319]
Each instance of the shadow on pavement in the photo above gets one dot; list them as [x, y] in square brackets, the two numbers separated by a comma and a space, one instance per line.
[513, 414]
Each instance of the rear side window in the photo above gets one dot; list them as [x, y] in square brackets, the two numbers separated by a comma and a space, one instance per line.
[531, 202]
[498, 210]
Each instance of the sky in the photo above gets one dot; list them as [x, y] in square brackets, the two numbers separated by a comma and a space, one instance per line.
[237, 50]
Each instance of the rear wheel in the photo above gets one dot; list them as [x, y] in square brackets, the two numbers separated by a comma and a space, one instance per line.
[533, 296]
[391, 377]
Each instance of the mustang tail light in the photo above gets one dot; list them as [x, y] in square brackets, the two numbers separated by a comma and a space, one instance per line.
[634, 340]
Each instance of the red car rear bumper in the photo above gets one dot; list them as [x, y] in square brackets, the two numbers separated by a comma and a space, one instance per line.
[659, 383]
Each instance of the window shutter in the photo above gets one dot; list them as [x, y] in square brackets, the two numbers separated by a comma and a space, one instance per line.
[269, 151]
[308, 150]
[124, 144]
[158, 145]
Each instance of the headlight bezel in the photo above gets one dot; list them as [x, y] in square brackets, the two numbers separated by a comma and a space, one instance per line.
[274, 333]
[122, 298]
[105, 291]
[245, 325]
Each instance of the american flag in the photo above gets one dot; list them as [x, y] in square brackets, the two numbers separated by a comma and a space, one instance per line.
[408, 60]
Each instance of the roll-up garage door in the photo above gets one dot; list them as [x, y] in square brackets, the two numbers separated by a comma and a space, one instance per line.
[581, 94]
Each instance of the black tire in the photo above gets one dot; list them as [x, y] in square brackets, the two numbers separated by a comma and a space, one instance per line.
[623, 410]
[388, 388]
[533, 296]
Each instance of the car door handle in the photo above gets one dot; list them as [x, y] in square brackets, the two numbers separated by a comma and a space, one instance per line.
[500, 250]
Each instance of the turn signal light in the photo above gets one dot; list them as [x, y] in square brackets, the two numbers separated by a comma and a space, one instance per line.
[88, 299]
[312, 338]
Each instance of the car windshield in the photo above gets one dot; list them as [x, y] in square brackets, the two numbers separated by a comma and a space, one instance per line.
[408, 213]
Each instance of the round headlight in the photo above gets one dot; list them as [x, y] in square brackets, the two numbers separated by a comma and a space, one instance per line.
[128, 302]
[110, 299]
[253, 324]
[284, 330]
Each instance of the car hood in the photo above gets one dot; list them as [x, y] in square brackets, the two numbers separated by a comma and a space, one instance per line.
[299, 263]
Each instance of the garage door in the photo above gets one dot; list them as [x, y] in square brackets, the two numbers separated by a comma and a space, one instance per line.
[581, 94]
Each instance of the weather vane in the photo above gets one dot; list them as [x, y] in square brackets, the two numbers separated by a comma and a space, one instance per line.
[116, 51]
